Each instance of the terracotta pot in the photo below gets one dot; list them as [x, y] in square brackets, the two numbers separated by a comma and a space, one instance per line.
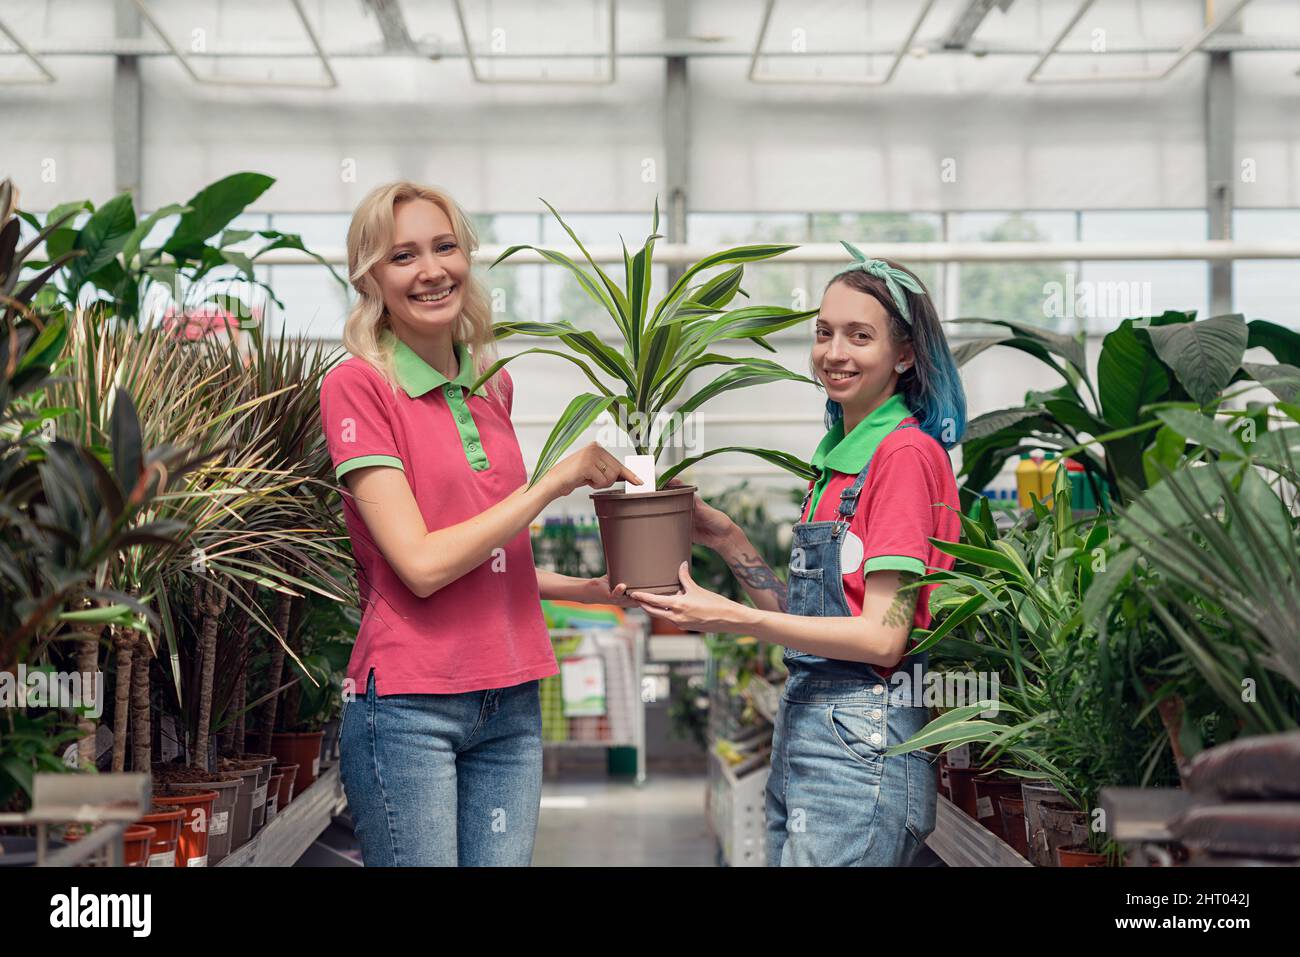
[166, 819]
[301, 749]
[273, 796]
[135, 844]
[990, 791]
[192, 840]
[1079, 856]
[646, 536]
[290, 774]
[220, 822]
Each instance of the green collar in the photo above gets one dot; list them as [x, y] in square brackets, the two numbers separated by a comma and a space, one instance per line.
[416, 377]
[850, 454]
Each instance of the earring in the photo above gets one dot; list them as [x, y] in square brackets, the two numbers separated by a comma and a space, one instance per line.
[901, 368]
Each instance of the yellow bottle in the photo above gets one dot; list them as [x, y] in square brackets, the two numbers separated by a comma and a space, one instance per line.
[1047, 477]
[1028, 479]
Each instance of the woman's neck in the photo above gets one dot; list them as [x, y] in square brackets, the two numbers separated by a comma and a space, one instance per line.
[855, 415]
[436, 347]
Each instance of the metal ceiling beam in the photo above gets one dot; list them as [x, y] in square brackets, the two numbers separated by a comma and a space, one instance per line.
[1192, 46]
[392, 24]
[755, 77]
[969, 20]
[330, 82]
[23, 50]
[611, 52]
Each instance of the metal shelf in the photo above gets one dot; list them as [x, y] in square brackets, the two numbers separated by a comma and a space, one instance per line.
[287, 837]
[962, 841]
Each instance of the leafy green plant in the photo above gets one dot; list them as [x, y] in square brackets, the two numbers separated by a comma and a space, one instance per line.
[103, 256]
[1222, 537]
[1145, 365]
[1067, 709]
[30, 744]
[662, 344]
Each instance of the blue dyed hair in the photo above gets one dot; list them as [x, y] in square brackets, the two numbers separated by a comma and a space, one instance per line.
[931, 387]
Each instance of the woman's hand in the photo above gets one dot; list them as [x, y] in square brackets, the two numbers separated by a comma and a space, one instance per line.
[599, 593]
[591, 465]
[712, 526]
[696, 608]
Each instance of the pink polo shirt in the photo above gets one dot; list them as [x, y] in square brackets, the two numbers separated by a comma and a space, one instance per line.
[460, 456]
[910, 496]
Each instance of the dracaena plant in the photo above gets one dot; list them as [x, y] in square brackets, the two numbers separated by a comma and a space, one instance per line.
[663, 343]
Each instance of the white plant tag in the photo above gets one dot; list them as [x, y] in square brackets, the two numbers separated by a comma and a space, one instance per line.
[984, 807]
[644, 468]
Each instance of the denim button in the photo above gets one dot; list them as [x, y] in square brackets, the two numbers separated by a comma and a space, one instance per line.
[875, 737]
[878, 689]
[875, 715]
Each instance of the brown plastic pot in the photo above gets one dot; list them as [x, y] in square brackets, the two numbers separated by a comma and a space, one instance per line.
[302, 749]
[192, 841]
[166, 819]
[218, 828]
[1079, 857]
[290, 774]
[264, 764]
[241, 822]
[1012, 811]
[135, 843]
[990, 791]
[961, 784]
[646, 536]
[273, 796]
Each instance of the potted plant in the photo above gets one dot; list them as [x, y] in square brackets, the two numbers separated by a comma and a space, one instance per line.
[646, 535]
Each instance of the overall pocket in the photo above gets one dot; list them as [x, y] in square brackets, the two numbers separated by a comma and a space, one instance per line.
[860, 731]
[807, 594]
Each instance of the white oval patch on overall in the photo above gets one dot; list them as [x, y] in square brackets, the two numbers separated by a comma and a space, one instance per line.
[851, 552]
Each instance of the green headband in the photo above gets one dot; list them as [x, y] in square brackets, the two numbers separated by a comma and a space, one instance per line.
[895, 280]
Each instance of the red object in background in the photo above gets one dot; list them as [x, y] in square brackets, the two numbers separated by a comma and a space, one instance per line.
[201, 322]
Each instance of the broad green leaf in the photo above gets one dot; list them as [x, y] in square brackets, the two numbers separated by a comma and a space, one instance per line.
[1204, 354]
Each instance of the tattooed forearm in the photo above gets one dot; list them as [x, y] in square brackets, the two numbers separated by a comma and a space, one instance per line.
[752, 572]
[902, 610]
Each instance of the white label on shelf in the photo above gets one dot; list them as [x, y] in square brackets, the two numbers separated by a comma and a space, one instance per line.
[259, 796]
[315, 766]
[163, 859]
[220, 821]
[984, 807]
[197, 861]
[271, 807]
[959, 757]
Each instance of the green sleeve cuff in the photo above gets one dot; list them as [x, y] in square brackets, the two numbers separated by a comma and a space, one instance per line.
[362, 461]
[896, 563]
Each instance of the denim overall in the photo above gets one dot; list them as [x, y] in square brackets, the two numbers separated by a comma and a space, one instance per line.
[833, 798]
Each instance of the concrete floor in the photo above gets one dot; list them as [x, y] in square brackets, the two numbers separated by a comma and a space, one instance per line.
[610, 822]
[590, 820]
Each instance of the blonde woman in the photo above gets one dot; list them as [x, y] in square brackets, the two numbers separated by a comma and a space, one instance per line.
[441, 746]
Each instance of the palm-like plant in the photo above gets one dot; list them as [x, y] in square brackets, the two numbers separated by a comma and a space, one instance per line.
[241, 509]
[662, 344]
[1067, 710]
[1223, 538]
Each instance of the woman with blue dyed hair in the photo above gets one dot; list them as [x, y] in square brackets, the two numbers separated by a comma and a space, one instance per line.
[885, 488]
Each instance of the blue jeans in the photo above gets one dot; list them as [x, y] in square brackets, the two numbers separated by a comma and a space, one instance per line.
[833, 798]
[440, 780]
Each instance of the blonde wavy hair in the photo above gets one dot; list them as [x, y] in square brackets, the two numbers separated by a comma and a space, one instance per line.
[368, 331]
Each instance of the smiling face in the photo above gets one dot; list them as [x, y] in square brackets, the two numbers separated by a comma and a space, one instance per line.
[853, 353]
[423, 274]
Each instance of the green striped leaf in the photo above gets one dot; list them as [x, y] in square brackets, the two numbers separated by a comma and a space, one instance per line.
[783, 460]
[575, 419]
